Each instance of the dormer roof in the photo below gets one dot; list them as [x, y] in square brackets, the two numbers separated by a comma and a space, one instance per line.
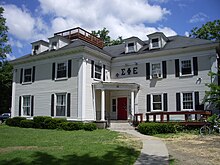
[158, 34]
[134, 39]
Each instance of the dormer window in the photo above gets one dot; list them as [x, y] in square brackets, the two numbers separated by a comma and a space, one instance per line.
[131, 47]
[155, 43]
[54, 46]
[36, 48]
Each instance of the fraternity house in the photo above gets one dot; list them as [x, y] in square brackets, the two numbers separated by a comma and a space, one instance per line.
[75, 76]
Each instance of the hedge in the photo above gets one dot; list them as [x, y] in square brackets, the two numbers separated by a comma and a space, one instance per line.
[89, 126]
[157, 128]
[27, 124]
[39, 121]
[53, 123]
[15, 121]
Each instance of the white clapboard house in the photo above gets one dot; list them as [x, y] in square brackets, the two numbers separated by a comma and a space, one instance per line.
[73, 75]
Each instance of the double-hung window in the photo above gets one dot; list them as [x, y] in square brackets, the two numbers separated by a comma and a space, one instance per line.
[61, 105]
[98, 71]
[157, 102]
[27, 75]
[186, 67]
[26, 105]
[156, 70]
[61, 70]
[187, 101]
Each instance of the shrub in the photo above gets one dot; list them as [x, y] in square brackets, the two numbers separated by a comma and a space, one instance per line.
[39, 121]
[70, 126]
[53, 123]
[15, 121]
[212, 119]
[156, 128]
[27, 124]
[89, 126]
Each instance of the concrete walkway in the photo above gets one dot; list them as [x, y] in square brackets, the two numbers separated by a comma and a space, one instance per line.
[154, 151]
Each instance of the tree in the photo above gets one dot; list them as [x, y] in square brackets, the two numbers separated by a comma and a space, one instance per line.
[4, 47]
[5, 67]
[209, 31]
[104, 35]
[213, 95]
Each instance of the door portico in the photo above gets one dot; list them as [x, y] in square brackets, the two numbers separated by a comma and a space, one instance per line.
[124, 103]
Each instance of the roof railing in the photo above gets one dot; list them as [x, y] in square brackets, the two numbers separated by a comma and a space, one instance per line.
[79, 33]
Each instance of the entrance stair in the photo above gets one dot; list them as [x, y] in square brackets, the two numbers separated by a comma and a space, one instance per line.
[120, 125]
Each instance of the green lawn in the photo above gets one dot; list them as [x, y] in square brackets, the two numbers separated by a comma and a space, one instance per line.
[21, 146]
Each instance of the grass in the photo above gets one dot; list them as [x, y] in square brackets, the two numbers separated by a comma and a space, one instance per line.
[37, 146]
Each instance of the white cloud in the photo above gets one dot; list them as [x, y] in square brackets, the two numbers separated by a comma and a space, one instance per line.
[16, 43]
[199, 17]
[10, 57]
[187, 34]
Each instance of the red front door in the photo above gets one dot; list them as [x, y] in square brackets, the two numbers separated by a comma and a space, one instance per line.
[122, 108]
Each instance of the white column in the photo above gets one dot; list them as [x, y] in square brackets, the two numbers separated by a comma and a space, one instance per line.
[102, 105]
[13, 94]
[132, 104]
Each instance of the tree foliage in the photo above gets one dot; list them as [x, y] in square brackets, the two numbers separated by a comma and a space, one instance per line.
[5, 67]
[104, 35]
[209, 31]
[213, 95]
[4, 46]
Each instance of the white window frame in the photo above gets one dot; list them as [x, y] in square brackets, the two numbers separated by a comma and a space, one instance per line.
[56, 69]
[94, 69]
[193, 101]
[151, 43]
[151, 70]
[152, 95]
[26, 106]
[27, 82]
[55, 108]
[180, 67]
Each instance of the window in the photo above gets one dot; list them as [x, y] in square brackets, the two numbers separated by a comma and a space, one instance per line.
[27, 75]
[36, 48]
[26, 105]
[114, 105]
[187, 100]
[131, 47]
[61, 70]
[156, 70]
[186, 67]
[61, 105]
[98, 71]
[155, 43]
[157, 102]
[54, 46]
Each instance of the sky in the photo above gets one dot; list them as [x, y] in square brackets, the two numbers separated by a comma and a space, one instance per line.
[32, 20]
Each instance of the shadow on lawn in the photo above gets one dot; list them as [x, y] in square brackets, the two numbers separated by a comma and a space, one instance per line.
[121, 155]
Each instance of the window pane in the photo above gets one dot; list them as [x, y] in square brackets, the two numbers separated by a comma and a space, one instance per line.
[60, 111]
[156, 98]
[98, 71]
[26, 105]
[27, 75]
[155, 42]
[61, 105]
[186, 67]
[187, 101]
[61, 70]
[157, 102]
[156, 69]
[157, 106]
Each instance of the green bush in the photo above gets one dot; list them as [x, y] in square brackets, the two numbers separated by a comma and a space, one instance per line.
[39, 121]
[212, 119]
[89, 126]
[15, 121]
[70, 126]
[27, 124]
[53, 123]
[157, 128]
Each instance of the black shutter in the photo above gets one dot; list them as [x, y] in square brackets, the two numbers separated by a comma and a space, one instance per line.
[19, 112]
[177, 69]
[33, 74]
[21, 76]
[69, 68]
[53, 71]
[103, 72]
[178, 103]
[32, 105]
[165, 102]
[68, 105]
[195, 66]
[148, 103]
[147, 71]
[196, 95]
[52, 105]
[164, 69]
[92, 69]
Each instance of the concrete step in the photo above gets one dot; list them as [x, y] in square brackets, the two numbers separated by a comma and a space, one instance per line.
[121, 126]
